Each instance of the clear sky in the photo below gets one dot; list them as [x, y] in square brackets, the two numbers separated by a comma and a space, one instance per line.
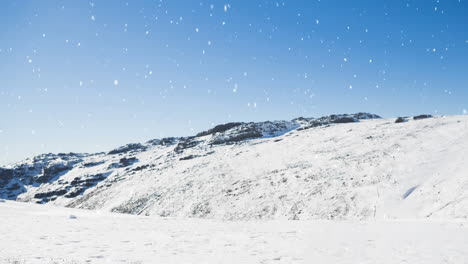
[87, 76]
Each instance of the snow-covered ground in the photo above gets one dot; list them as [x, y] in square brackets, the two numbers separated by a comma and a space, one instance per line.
[44, 234]
[361, 170]
[300, 191]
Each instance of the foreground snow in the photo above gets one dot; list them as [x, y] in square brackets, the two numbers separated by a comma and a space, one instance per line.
[44, 234]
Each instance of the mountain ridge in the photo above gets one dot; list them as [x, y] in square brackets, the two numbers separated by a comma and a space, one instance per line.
[217, 173]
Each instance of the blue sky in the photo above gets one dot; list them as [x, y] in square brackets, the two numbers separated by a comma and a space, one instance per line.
[87, 76]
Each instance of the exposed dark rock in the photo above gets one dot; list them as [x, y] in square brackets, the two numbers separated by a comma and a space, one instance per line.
[363, 116]
[235, 132]
[114, 165]
[68, 156]
[36, 171]
[189, 157]
[6, 175]
[75, 193]
[188, 143]
[92, 164]
[52, 170]
[164, 141]
[421, 117]
[219, 129]
[142, 167]
[400, 120]
[14, 187]
[302, 119]
[49, 157]
[88, 180]
[201, 209]
[124, 162]
[133, 147]
[344, 119]
[247, 133]
[80, 184]
[50, 194]
[336, 119]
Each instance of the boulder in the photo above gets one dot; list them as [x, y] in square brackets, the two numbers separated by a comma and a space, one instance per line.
[400, 120]
[418, 117]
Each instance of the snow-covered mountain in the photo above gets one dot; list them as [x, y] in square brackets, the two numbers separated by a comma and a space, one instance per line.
[336, 167]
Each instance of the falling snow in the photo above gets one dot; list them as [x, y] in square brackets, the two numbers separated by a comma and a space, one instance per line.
[218, 62]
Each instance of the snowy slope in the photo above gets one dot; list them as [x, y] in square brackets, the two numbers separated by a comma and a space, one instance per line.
[336, 167]
[45, 234]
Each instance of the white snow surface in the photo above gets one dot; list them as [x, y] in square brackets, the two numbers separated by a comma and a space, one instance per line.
[372, 169]
[372, 191]
[45, 234]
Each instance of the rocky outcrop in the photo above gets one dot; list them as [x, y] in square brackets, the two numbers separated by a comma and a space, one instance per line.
[36, 171]
[219, 129]
[6, 175]
[335, 119]
[400, 120]
[418, 117]
[132, 147]
[49, 177]
[189, 142]
[164, 141]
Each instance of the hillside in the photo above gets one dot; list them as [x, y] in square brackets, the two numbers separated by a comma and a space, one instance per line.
[336, 167]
